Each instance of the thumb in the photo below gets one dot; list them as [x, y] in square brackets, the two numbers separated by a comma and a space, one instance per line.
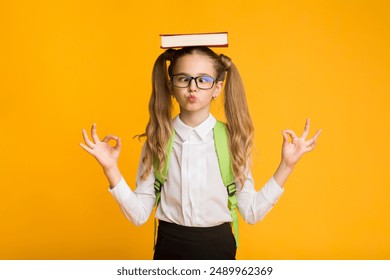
[286, 139]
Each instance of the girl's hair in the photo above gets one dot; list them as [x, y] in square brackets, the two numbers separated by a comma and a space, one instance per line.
[160, 128]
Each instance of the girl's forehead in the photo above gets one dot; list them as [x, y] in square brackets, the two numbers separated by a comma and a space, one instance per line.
[194, 63]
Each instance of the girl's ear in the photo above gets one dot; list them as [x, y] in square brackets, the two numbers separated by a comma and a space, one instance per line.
[217, 88]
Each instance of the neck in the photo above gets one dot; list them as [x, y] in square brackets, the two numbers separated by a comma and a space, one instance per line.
[193, 119]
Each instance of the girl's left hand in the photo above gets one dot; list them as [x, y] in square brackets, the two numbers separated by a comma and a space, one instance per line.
[294, 150]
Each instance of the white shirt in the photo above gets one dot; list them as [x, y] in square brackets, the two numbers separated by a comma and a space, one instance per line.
[194, 194]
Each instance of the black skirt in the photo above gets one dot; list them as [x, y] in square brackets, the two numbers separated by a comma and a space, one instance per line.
[175, 242]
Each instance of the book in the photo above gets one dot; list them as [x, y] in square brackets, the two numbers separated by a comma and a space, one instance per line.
[219, 39]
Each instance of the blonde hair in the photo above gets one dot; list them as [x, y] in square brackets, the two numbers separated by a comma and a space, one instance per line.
[160, 128]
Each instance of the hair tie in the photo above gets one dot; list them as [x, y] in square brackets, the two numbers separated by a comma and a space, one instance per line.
[226, 61]
[169, 54]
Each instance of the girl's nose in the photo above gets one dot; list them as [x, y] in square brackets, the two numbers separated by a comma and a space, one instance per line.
[192, 86]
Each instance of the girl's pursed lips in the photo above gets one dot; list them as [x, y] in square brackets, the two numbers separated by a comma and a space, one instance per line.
[191, 98]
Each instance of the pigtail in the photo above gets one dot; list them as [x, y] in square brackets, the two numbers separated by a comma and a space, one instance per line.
[239, 122]
[159, 127]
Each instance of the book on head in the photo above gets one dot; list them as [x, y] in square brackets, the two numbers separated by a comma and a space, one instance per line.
[219, 39]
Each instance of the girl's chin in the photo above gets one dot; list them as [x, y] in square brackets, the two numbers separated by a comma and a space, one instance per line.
[193, 108]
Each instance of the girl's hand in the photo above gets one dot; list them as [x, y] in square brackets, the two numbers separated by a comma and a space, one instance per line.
[293, 151]
[104, 153]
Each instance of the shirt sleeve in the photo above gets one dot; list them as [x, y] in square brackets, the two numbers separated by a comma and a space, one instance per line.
[136, 205]
[252, 205]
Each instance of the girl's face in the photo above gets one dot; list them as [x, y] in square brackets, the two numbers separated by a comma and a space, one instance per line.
[193, 99]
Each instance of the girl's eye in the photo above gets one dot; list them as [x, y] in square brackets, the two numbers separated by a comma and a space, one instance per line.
[182, 79]
[205, 79]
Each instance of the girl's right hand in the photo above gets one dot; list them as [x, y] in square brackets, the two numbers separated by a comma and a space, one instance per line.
[105, 154]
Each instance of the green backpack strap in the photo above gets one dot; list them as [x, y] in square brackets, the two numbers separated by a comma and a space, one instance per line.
[225, 167]
[160, 179]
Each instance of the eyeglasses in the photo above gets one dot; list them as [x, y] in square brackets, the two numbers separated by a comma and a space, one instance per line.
[183, 81]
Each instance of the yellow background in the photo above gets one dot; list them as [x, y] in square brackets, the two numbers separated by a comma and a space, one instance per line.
[67, 64]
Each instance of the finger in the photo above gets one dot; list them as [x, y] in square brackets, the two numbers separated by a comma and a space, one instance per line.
[118, 144]
[314, 138]
[306, 129]
[110, 137]
[116, 138]
[94, 134]
[86, 139]
[311, 143]
[311, 146]
[292, 134]
[286, 138]
[317, 134]
[88, 149]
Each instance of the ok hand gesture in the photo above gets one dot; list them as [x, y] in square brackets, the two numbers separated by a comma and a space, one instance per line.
[293, 151]
[104, 153]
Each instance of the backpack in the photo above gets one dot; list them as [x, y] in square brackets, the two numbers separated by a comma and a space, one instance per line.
[225, 167]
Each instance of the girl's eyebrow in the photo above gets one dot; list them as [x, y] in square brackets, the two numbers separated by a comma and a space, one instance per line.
[199, 74]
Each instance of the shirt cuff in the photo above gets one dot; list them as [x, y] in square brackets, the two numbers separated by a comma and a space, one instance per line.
[122, 193]
[272, 192]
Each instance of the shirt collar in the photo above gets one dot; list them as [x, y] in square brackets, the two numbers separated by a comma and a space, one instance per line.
[202, 130]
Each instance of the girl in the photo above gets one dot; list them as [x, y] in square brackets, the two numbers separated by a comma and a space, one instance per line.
[193, 213]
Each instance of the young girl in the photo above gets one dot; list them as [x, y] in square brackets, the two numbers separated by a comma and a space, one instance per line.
[193, 213]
